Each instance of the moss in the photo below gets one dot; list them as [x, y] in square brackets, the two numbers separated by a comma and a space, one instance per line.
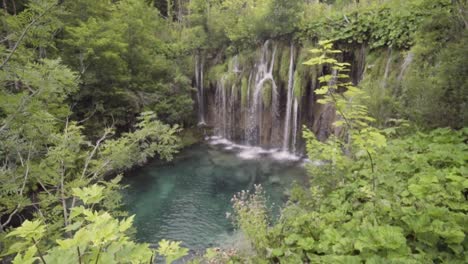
[284, 65]
[230, 79]
[381, 89]
[303, 70]
[244, 91]
[298, 89]
[247, 60]
[191, 136]
[266, 93]
[216, 72]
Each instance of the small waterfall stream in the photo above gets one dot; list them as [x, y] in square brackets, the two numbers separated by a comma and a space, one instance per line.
[199, 84]
[406, 63]
[387, 68]
[264, 76]
[294, 125]
[221, 104]
[287, 118]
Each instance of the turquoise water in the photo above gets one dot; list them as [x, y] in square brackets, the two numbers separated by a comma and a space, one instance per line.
[188, 199]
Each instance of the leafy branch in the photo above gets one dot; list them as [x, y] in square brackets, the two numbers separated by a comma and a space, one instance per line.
[353, 115]
[24, 33]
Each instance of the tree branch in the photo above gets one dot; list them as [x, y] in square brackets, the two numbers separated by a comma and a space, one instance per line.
[2, 226]
[23, 34]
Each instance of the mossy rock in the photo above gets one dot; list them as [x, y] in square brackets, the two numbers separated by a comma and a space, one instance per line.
[244, 91]
[191, 136]
[267, 91]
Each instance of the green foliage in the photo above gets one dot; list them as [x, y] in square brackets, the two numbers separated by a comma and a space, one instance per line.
[430, 75]
[46, 157]
[91, 237]
[391, 24]
[381, 82]
[416, 215]
[357, 138]
[127, 63]
[251, 216]
[245, 22]
[437, 77]
[75, 76]
[171, 250]
[408, 206]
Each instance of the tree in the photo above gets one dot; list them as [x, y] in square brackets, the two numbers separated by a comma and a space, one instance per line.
[127, 65]
[92, 236]
[44, 152]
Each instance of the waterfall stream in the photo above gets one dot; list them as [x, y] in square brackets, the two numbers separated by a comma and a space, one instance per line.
[256, 120]
[387, 68]
[264, 74]
[221, 105]
[287, 118]
[294, 125]
[405, 65]
[199, 83]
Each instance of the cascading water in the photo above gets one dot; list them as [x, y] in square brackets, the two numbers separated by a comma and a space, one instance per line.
[246, 107]
[387, 67]
[225, 102]
[231, 122]
[221, 128]
[287, 118]
[405, 65]
[244, 102]
[254, 120]
[200, 88]
[263, 74]
[294, 125]
[246, 110]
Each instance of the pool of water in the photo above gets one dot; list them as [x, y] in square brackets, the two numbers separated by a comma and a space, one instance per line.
[188, 199]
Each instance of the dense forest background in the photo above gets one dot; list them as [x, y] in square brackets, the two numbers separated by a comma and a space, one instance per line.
[90, 89]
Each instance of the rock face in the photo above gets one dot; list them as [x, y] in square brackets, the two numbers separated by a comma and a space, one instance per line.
[264, 97]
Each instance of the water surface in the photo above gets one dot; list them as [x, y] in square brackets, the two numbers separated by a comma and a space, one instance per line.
[188, 199]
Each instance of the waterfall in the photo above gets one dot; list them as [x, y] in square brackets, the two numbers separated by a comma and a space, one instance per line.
[235, 65]
[232, 113]
[405, 65]
[264, 73]
[287, 118]
[294, 123]
[199, 83]
[221, 128]
[247, 111]
[387, 68]
[247, 104]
